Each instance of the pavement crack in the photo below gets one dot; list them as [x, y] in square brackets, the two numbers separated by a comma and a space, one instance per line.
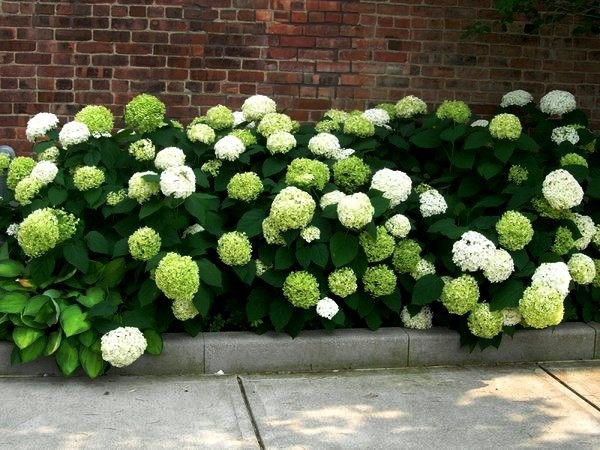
[582, 397]
[251, 414]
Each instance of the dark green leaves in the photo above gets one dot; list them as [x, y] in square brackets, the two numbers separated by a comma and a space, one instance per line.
[343, 248]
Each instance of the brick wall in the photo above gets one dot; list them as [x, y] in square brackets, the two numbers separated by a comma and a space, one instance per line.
[309, 55]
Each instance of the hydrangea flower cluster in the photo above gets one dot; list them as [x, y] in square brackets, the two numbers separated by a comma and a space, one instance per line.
[99, 119]
[212, 167]
[394, 184]
[359, 126]
[234, 248]
[563, 241]
[144, 113]
[472, 251]
[280, 142]
[499, 266]
[307, 173]
[389, 108]
[331, 198]
[86, 178]
[177, 277]
[273, 122]
[257, 106]
[379, 281]
[292, 209]
[73, 133]
[586, 227]
[39, 125]
[484, 323]
[355, 211]
[229, 148]
[50, 154]
[460, 295]
[455, 110]
[514, 230]
[184, 310]
[565, 133]
[169, 157]
[301, 289]
[20, 167]
[557, 103]
[219, 117]
[144, 244]
[517, 174]
[377, 116]
[122, 346]
[423, 320]
[191, 230]
[423, 267]
[27, 189]
[480, 123]
[541, 306]
[518, 97]
[115, 197]
[398, 225]
[178, 182]
[141, 189]
[44, 171]
[325, 144]
[351, 173]
[342, 282]
[245, 187]
[581, 268]
[310, 233]
[379, 248]
[561, 190]
[407, 256]
[432, 203]
[409, 107]
[505, 126]
[246, 136]
[200, 132]
[327, 308]
[43, 229]
[5, 160]
[554, 275]
[142, 150]
[511, 317]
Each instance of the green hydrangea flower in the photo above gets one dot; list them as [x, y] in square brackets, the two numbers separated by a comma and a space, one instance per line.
[354, 211]
[184, 310]
[573, 159]
[246, 136]
[544, 209]
[379, 281]
[337, 115]
[67, 224]
[212, 167]
[177, 277]
[27, 189]
[245, 186]
[582, 268]
[141, 189]
[596, 280]
[219, 117]
[406, 256]
[310, 233]
[563, 241]
[307, 173]
[273, 122]
[389, 108]
[541, 306]
[280, 142]
[517, 174]
[292, 209]
[50, 154]
[5, 160]
[115, 197]
[200, 132]
[271, 232]
[328, 126]
[234, 249]
[142, 150]
[410, 106]
[454, 110]
[359, 126]
[505, 126]
[484, 323]
[351, 173]
[342, 282]
[99, 119]
[43, 229]
[144, 113]
[460, 295]
[19, 168]
[379, 248]
[301, 289]
[144, 244]
[514, 230]
[86, 178]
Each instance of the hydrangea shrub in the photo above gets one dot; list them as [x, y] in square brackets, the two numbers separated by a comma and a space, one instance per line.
[400, 215]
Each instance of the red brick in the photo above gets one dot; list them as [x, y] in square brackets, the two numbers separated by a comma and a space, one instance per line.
[297, 41]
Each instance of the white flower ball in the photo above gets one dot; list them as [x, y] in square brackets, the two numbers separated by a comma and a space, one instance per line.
[178, 181]
[398, 225]
[122, 346]
[499, 267]
[355, 211]
[39, 125]
[44, 171]
[169, 157]
[395, 185]
[327, 308]
[473, 251]
[554, 275]
[257, 106]
[432, 203]
[229, 148]
[562, 190]
[73, 133]
[557, 103]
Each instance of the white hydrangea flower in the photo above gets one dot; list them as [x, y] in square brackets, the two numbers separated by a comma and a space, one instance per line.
[355, 211]
[377, 116]
[281, 142]
[261, 267]
[169, 157]
[565, 133]
[192, 229]
[12, 229]
[587, 228]
[331, 198]
[180, 181]
[473, 251]
[44, 171]
[518, 97]
[310, 233]
[325, 144]
[557, 103]
[511, 317]
[327, 308]
[424, 267]
[499, 266]
[238, 118]
[432, 203]
[555, 275]
[480, 123]
[39, 125]
[394, 184]
[257, 106]
[398, 225]
[122, 346]
[73, 133]
[423, 320]
[229, 148]
[562, 190]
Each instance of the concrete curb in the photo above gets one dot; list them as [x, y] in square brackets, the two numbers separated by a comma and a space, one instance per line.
[316, 350]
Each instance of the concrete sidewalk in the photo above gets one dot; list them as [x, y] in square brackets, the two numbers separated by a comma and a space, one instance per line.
[545, 405]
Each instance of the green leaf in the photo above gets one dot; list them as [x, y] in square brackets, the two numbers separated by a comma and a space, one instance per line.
[463, 158]
[489, 169]
[365, 306]
[527, 143]
[203, 300]
[477, 140]
[41, 269]
[198, 204]
[25, 336]
[251, 222]
[521, 197]
[67, 357]
[593, 187]
[97, 243]
[87, 338]
[149, 208]
[13, 302]
[484, 222]
[506, 295]
[35, 350]
[76, 254]
[303, 255]
[273, 165]
[447, 227]
[247, 272]
[54, 340]
[91, 361]
[112, 273]
[398, 141]
[373, 320]
[102, 309]
[280, 313]
[453, 133]
[57, 196]
[503, 150]
[319, 254]
[429, 138]
[427, 289]
[121, 248]
[148, 292]
[74, 321]
[209, 273]
[343, 248]
[284, 258]
[92, 297]
[34, 305]
[92, 158]
[469, 186]
[154, 340]
[258, 304]
[11, 269]
[393, 301]
[380, 204]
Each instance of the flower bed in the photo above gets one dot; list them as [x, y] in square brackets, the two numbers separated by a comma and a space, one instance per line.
[248, 220]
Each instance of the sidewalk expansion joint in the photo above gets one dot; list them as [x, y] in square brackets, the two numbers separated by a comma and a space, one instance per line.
[250, 413]
[582, 397]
